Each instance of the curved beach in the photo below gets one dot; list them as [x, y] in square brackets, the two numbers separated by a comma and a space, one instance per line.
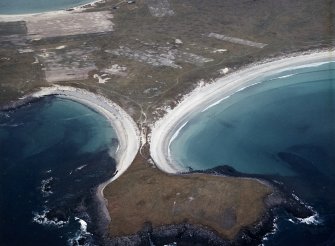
[126, 130]
[168, 127]
[125, 127]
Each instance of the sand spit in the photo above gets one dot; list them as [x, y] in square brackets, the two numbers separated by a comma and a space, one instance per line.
[206, 96]
[126, 129]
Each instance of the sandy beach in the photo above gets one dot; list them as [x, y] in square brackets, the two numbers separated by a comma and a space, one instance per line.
[202, 98]
[124, 126]
[126, 129]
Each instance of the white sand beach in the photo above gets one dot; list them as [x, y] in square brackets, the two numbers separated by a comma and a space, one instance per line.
[126, 129]
[124, 126]
[207, 96]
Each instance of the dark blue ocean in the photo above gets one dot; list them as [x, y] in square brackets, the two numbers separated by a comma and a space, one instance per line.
[284, 129]
[36, 6]
[53, 154]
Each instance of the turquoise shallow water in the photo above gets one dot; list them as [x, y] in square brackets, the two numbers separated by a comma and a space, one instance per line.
[291, 110]
[283, 129]
[37, 6]
[53, 154]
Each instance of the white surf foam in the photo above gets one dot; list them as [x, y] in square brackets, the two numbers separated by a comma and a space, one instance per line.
[274, 230]
[81, 234]
[214, 104]
[83, 224]
[311, 220]
[40, 218]
[45, 187]
[81, 167]
[287, 76]
[316, 64]
[175, 135]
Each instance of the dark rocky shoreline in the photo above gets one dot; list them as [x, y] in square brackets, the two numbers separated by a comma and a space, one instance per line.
[78, 203]
[18, 103]
[186, 234]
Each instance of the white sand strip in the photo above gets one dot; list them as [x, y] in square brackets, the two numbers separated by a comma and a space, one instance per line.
[236, 40]
[202, 98]
[126, 129]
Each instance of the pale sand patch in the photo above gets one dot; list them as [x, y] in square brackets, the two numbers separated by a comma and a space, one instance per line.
[219, 51]
[57, 74]
[236, 40]
[60, 47]
[207, 96]
[160, 8]
[161, 56]
[65, 24]
[224, 70]
[101, 80]
[116, 69]
[67, 65]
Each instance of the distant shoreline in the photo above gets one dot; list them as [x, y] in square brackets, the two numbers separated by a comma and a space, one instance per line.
[19, 17]
[202, 98]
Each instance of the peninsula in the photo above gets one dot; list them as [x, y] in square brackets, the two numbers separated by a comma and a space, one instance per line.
[134, 62]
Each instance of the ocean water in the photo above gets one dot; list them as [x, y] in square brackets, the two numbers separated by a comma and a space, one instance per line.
[282, 128]
[10, 7]
[53, 154]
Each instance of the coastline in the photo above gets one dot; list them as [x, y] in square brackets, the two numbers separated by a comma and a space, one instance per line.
[74, 45]
[126, 129]
[159, 233]
[41, 15]
[202, 98]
